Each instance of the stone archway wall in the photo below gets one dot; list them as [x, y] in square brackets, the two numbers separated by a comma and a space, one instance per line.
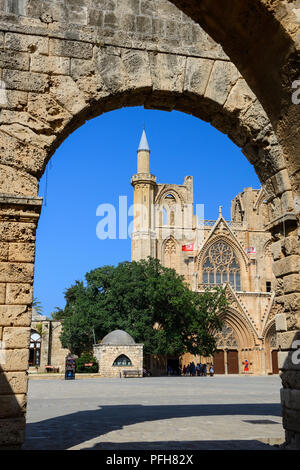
[65, 62]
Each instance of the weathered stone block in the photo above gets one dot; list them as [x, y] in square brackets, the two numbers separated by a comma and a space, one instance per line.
[19, 294]
[77, 14]
[13, 181]
[144, 25]
[167, 72]
[16, 272]
[197, 75]
[289, 360]
[136, 64]
[14, 60]
[292, 302]
[290, 245]
[21, 231]
[16, 360]
[24, 157]
[45, 108]
[278, 287]
[3, 251]
[22, 252]
[223, 76]
[95, 18]
[276, 250]
[25, 81]
[240, 97]
[13, 382]
[81, 68]
[65, 91]
[287, 265]
[290, 379]
[53, 65]
[110, 20]
[105, 4]
[286, 340]
[291, 419]
[280, 322]
[290, 398]
[12, 406]
[14, 100]
[26, 43]
[287, 202]
[16, 337]
[291, 283]
[15, 315]
[12, 431]
[2, 293]
[80, 50]
[281, 182]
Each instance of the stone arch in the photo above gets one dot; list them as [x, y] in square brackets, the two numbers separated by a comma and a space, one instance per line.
[111, 80]
[270, 341]
[164, 193]
[246, 334]
[173, 207]
[62, 67]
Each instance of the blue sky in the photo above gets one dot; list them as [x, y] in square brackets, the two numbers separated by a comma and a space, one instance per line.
[94, 166]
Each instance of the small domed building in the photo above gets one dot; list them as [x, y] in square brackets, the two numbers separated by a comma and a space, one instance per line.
[119, 355]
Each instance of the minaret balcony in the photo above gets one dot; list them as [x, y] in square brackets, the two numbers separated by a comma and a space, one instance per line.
[143, 177]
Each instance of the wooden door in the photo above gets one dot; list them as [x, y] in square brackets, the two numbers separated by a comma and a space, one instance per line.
[275, 369]
[219, 362]
[233, 362]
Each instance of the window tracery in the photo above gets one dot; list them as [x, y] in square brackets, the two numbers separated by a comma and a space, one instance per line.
[221, 265]
[170, 254]
[226, 338]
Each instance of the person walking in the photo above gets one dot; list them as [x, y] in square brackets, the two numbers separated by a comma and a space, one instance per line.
[211, 370]
[184, 370]
[204, 370]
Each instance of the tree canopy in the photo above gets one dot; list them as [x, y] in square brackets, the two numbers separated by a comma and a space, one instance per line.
[150, 302]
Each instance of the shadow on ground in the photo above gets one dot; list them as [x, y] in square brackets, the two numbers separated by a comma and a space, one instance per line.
[64, 432]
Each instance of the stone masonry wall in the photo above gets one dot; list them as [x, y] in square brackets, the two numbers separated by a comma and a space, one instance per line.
[18, 221]
[106, 356]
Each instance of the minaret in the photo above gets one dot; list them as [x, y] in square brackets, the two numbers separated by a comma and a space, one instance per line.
[143, 242]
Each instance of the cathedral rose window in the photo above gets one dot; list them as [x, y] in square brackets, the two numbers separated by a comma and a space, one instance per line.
[220, 265]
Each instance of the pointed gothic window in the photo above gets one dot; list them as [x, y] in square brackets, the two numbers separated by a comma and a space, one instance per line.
[170, 251]
[171, 197]
[221, 265]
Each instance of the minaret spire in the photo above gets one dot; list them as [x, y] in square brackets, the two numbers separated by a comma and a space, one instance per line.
[144, 183]
[144, 142]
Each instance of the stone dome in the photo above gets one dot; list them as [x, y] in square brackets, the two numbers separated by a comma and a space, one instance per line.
[118, 338]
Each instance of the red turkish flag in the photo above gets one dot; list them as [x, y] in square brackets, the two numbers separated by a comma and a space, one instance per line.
[189, 247]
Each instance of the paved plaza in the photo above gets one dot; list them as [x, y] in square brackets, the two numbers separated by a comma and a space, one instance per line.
[222, 412]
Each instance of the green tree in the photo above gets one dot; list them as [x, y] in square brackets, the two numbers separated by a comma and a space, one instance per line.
[152, 303]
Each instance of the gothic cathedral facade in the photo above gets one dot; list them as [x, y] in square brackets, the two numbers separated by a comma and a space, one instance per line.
[235, 254]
